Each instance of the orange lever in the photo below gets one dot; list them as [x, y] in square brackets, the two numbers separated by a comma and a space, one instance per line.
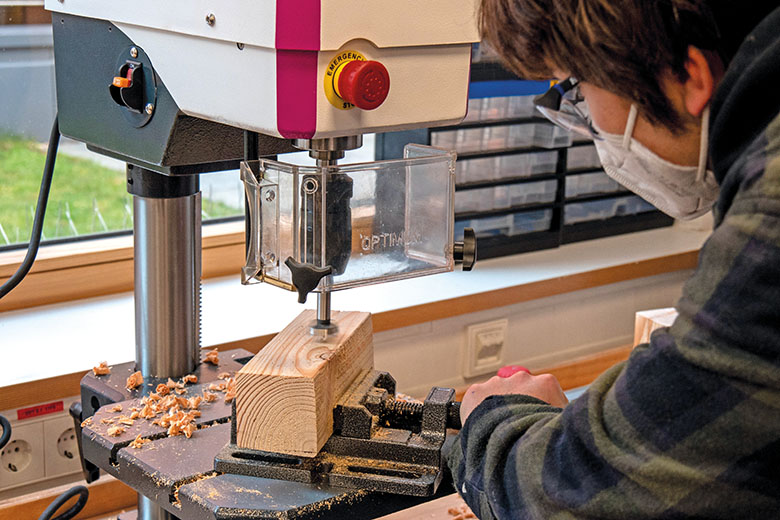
[121, 82]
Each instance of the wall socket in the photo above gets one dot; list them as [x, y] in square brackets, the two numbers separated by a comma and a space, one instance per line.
[485, 348]
[43, 446]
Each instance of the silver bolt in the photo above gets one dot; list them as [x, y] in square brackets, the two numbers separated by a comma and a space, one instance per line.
[211, 19]
[270, 196]
[133, 52]
[149, 108]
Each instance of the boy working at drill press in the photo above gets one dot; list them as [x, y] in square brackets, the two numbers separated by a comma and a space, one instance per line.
[682, 100]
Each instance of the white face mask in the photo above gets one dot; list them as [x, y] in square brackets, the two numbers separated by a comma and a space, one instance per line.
[682, 192]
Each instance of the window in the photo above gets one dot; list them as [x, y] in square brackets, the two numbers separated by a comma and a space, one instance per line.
[88, 198]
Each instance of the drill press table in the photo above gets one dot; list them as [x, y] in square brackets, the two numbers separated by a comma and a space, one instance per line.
[177, 473]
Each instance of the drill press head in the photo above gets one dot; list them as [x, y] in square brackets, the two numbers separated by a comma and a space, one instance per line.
[310, 69]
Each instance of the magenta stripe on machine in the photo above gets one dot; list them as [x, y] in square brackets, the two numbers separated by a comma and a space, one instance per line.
[296, 93]
[297, 45]
[298, 25]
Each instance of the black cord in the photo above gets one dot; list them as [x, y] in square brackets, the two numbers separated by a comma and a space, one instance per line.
[6, 436]
[40, 212]
[83, 493]
[32, 251]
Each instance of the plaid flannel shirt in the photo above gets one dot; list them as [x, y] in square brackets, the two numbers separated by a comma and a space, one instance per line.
[689, 426]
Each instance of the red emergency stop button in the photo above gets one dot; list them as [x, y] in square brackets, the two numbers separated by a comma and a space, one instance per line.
[365, 84]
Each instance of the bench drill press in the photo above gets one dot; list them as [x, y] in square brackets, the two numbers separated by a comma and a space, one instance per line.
[181, 88]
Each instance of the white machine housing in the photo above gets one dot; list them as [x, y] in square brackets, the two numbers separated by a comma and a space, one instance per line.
[260, 64]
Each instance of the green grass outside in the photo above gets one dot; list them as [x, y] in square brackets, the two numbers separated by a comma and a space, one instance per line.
[79, 185]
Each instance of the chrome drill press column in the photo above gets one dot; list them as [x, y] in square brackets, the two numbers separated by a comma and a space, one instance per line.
[148, 510]
[167, 250]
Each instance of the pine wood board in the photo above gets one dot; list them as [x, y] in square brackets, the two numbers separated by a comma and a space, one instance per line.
[451, 507]
[285, 395]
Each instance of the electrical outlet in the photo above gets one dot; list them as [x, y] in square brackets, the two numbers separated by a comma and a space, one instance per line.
[485, 348]
[21, 461]
[61, 450]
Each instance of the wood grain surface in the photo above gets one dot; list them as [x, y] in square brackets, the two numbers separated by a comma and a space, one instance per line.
[285, 395]
[451, 507]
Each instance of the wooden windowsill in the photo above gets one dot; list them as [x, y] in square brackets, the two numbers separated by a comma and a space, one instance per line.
[104, 266]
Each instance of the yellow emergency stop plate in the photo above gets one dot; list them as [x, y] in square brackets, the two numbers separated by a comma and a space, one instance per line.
[332, 74]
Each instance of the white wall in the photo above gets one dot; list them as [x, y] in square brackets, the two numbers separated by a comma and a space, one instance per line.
[541, 333]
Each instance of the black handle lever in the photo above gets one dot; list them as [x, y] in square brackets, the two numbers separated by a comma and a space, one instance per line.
[306, 277]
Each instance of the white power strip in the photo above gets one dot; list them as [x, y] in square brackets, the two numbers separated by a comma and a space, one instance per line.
[43, 447]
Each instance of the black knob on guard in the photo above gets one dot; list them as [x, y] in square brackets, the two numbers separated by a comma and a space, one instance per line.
[465, 253]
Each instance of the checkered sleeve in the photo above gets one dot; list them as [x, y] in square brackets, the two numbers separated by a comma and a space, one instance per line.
[687, 427]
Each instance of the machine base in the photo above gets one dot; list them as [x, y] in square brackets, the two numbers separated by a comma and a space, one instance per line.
[178, 473]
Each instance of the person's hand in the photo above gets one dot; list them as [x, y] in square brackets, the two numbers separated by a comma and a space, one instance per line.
[544, 387]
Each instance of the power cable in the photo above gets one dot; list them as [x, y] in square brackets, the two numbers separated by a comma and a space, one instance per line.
[40, 213]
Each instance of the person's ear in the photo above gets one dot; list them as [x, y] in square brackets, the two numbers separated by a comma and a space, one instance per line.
[700, 85]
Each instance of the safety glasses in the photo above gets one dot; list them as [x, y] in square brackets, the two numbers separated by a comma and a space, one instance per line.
[564, 105]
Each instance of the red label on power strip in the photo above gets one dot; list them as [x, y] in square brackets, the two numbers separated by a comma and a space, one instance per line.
[37, 411]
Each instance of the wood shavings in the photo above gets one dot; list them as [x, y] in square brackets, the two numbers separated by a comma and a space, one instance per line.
[135, 380]
[406, 398]
[102, 369]
[179, 423]
[461, 512]
[147, 412]
[167, 408]
[86, 422]
[224, 375]
[173, 385]
[189, 429]
[212, 357]
[139, 442]
[115, 431]
[230, 393]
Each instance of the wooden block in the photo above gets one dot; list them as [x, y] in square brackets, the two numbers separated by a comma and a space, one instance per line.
[450, 507]
[285, 395]
[646, 322]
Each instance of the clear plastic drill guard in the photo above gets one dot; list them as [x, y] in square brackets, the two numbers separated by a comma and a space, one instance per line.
[370, 222]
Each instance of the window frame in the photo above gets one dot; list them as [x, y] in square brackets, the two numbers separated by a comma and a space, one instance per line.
[104, 266]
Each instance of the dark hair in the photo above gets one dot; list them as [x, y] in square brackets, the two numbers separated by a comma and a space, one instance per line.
[623, 46]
